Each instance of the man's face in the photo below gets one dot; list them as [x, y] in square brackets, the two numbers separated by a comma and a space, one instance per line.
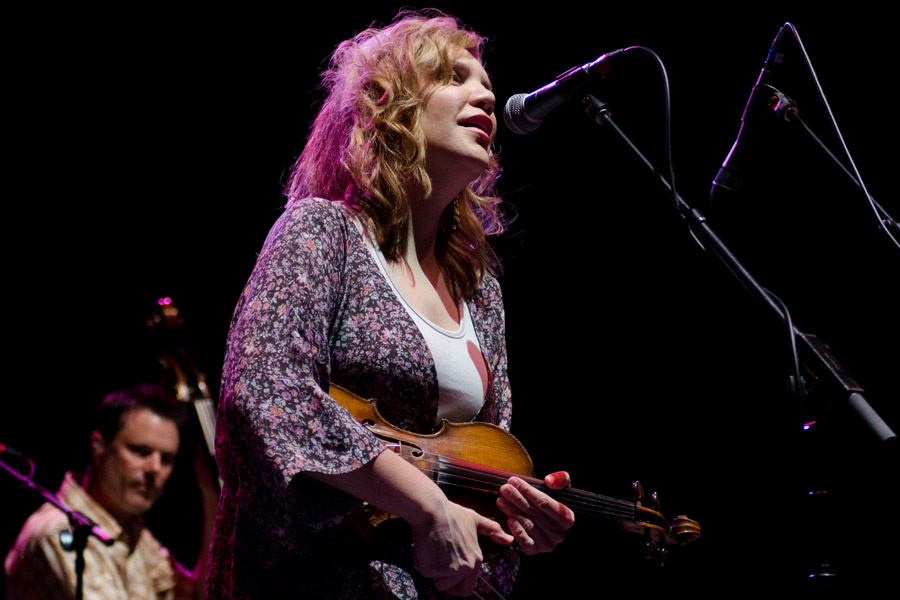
[131, 470]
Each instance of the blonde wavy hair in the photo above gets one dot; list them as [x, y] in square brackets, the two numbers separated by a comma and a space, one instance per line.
[366, 146]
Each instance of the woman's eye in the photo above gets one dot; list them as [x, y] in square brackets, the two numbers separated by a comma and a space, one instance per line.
[456, 77]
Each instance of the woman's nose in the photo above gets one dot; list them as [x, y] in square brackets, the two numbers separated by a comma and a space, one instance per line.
[484, 99]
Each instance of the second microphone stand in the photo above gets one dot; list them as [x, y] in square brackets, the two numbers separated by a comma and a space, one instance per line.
[815, 351]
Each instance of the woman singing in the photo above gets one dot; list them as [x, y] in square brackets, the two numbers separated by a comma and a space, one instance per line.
[378, 277]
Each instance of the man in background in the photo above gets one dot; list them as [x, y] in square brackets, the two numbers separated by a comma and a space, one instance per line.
[133, 445]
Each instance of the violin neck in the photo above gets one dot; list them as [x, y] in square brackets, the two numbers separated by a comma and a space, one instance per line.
[461, 477]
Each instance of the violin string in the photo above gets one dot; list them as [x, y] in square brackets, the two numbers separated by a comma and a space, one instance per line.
[570, 496]
[443, 468]
[453, 472]
[573, 500]
[590, 510]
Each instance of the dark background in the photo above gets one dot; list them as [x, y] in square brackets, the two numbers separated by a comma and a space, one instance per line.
[147, 156]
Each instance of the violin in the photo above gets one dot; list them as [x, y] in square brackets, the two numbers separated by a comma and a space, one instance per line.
[471, 461]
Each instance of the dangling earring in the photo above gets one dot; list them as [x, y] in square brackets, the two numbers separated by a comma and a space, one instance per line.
[455, 223]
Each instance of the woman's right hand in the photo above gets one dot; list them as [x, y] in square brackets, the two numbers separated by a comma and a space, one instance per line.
[445, 534]
[446, 547]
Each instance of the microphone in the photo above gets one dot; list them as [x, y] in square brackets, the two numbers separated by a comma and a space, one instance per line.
[524, 112]
[729, 176]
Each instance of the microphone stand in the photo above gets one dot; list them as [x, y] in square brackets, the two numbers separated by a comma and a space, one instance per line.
[786, 108]
[82, 526]
[818, 352]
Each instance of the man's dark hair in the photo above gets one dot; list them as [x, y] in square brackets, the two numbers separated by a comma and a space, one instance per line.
[110, 414]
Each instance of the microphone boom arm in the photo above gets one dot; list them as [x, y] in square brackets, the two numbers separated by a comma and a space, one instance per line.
[703, 233]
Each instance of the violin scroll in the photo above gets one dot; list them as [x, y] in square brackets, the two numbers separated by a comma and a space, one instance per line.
[656, 530]
[685, 530]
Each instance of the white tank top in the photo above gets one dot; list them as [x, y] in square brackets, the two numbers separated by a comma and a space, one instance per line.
[461, 371]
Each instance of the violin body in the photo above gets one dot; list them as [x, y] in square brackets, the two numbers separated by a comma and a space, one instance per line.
[455, 447]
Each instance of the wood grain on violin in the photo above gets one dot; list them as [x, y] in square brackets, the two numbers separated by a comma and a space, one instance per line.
[470, 461]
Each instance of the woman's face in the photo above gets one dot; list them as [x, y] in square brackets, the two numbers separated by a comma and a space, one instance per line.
[459, 123]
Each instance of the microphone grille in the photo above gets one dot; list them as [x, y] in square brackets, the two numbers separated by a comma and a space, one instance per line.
[515, 118]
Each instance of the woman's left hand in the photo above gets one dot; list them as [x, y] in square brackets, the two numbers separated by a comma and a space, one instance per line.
[537, 521]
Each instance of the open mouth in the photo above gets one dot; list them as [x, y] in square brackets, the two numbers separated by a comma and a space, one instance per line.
[482, 123]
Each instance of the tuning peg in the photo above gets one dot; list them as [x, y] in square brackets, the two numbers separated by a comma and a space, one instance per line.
[637, 491]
